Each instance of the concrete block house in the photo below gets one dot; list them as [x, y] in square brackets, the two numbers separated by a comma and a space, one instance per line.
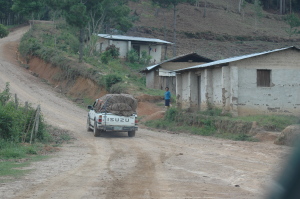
[162, 75]
[125, 43]
[259, 83]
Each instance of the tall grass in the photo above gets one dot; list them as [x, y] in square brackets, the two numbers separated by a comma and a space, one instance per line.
[16, 123]
[212, 123]
[272, 122]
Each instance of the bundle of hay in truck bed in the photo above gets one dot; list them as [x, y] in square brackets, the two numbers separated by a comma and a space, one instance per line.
[118, 104]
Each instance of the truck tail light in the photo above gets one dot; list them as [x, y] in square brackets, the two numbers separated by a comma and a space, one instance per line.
[100, 119]
[136, 121]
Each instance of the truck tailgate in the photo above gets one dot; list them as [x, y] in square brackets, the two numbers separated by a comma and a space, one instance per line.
[115, 120]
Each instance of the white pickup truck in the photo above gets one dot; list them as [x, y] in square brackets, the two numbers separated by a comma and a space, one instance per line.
[113, 112]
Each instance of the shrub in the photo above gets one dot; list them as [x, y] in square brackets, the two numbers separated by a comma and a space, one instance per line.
[145, 58]
[6, 124]
[171, 114]
[105, 57]
[5, 95]
[111, 80]
[3, 31]
[132, 56]
[29, 46]
[68, 42]
[294, 22]
[15, 121]
[118, 88]
[212, 112]
[111, 52]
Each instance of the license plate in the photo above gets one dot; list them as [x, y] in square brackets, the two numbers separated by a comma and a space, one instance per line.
[117, 128]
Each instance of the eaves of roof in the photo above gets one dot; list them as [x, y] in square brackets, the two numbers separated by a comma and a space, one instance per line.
[131, 38]
[169, 60]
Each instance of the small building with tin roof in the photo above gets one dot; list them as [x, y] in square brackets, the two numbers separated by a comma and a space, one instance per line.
[161, 75]
[151, 46]
[259, 83]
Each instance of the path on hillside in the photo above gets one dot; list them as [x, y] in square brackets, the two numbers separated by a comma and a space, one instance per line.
[151, 165]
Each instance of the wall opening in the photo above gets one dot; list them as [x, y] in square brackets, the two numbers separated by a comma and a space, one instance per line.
[263, 78]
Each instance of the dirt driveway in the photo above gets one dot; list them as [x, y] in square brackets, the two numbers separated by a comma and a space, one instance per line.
[151, 165]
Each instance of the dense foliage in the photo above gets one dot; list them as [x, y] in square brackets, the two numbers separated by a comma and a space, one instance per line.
[60, 49]
[16, 121]
[3, 31]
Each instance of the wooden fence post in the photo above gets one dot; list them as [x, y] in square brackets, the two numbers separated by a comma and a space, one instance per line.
[37, 122]
[35, 125]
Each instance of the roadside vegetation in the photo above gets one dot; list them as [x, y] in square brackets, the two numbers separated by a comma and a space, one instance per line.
[23, 136]
[3, 31]
[213, 123]
[58, 44]
[70, 33]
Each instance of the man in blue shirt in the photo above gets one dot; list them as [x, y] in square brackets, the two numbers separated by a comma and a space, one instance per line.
[167, 97]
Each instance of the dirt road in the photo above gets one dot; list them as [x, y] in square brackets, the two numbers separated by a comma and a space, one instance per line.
[150, 165]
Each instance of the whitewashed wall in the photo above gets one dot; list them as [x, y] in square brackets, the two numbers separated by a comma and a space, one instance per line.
[154, 51]
[283, 97]
[183, 89]
[122, 45]
[217, 87]
[234, 87]
[150, 79]
[125, 46]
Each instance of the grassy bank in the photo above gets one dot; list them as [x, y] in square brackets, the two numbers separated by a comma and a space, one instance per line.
[58, 44]
[212, 123]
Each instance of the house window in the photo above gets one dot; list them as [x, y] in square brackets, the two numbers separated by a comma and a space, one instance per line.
[263, 78]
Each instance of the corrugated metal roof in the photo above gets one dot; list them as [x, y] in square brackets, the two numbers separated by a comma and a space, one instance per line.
[233, 59]
[168, 60]
[131, 38]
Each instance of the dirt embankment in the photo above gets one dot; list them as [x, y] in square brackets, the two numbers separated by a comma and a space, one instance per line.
[78, 89]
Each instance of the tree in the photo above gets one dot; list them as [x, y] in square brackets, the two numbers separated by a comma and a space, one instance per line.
[90, 15]
[258, 11]
[31, 8]
[5, 7]
[117, 16]
[173, 3]
[5, 11]
[282, 7]
[55, 5]
[294, 22]
[76, 15]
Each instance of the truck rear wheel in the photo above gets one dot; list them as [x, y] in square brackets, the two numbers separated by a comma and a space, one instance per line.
[131, 133]
[97, 132]
[88, 127]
